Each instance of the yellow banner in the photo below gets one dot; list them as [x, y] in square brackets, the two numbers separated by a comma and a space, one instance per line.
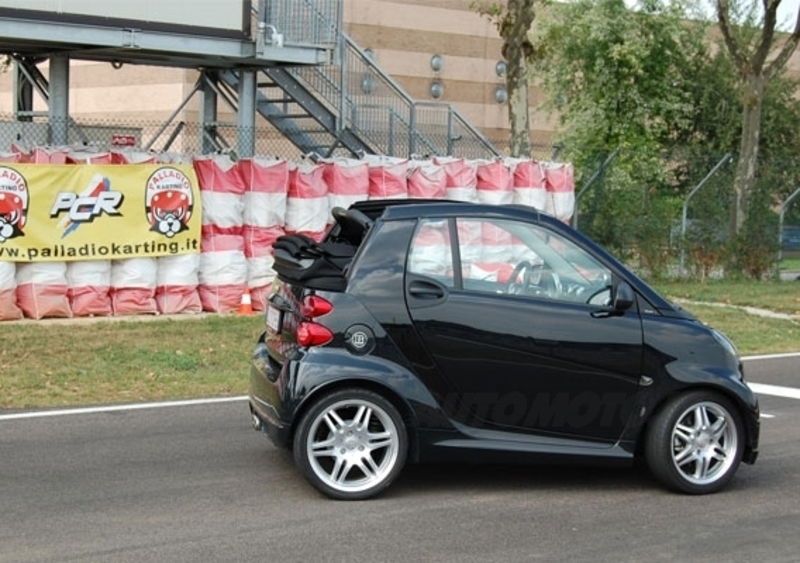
[97, 212]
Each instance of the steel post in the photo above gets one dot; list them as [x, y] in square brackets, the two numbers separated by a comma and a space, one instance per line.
[685, 210]
[59, 99]
[343, 70]
[208, 117]
[781, 215]
[246, 116]
[412, 129]
[450, 136]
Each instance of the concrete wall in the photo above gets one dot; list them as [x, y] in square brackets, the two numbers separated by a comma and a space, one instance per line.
[403, 36]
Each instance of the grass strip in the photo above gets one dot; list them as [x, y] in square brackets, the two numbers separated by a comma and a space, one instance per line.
[117, 361]
[783, 297]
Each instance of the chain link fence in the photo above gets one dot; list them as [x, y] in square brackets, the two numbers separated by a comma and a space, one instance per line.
[181, 136]
[674, 218]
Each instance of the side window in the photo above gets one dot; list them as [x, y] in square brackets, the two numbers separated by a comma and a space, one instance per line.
[516, 258]
[430, 254]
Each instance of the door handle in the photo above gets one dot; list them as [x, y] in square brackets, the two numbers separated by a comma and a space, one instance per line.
[425, 290]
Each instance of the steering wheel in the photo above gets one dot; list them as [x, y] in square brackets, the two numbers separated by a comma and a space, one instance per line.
[547, 284]
[512, 286]
[549, 287]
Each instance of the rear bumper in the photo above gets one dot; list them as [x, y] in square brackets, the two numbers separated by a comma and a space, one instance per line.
[266, 396]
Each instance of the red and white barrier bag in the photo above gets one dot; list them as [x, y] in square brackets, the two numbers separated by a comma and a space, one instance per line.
[561, 187]
[223, 273]
[8, 292]
[348, 182]
[89, 282]
[307, 204]
[221, 189]
[266, 187]
[259, 296]
[132, 156]
[173, 158]
[258, 241]
[461, 178]
[260, 273]
[42, 289]
[42, 155]
[176, 284]
[494, 183]
[88, 157]
[388, 177]
[529, 183]
[133, 286]
[260, 276]
[426, 181]
[10, 157]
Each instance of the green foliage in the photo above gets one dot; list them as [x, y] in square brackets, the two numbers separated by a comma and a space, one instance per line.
[651, 83]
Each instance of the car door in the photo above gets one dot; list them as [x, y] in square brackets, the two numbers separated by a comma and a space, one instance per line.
[517, 318]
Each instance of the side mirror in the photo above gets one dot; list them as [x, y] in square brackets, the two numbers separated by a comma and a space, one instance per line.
[624, 297]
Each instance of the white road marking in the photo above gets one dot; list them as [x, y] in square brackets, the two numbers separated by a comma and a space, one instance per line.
[776, 390]
[118, 408]
[770, 356]
[765, 415]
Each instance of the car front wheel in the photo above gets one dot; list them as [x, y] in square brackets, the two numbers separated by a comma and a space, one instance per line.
[351, 444]
[695, 443]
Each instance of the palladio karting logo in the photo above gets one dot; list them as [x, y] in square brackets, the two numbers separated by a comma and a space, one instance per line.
[168, 201]
[13, 203]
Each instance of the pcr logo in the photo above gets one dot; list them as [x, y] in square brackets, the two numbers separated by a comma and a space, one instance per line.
[96, 199]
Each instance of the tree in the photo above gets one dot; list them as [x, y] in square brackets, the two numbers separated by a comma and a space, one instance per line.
[620, 78]
[750, 52]
[513, 20]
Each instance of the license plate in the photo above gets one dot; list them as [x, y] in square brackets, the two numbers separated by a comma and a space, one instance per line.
[274, 318]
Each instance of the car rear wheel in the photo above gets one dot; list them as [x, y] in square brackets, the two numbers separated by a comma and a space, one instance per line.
[351, 444]
[695, 443]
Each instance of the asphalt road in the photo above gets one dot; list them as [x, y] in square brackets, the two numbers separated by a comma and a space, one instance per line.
[195, 483]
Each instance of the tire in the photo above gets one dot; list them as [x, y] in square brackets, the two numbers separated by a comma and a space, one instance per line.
[695, 442]
[351, 444]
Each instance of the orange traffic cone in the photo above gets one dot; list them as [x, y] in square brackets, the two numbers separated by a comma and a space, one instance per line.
[246, 304]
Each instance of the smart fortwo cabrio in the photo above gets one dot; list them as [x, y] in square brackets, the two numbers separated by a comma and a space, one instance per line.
[422, 331]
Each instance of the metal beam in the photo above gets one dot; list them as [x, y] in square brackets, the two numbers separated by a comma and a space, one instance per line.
[22, 92]
[146, 46]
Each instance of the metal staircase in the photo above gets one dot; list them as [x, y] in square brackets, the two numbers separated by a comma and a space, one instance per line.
[351, 106]
[315, 85]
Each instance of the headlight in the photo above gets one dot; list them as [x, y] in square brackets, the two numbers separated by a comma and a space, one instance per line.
[726, 344]
[730, 348]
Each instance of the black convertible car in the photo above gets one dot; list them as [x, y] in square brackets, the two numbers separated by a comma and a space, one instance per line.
[437, 331]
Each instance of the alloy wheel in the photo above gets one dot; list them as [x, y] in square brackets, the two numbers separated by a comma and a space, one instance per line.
[704, 443]
[352, 445]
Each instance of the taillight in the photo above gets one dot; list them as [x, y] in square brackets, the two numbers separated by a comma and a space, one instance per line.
[313, 334]
[314, 306]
